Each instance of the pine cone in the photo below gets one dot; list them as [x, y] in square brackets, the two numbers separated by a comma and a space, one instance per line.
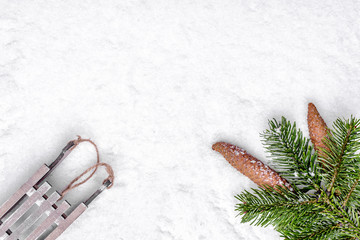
[251, 167]
[317, 128]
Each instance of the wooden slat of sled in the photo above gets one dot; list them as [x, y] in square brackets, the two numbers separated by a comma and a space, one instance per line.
[49, 221]
[65, 223]
[23, 190]
[45, 206]
[34, 195]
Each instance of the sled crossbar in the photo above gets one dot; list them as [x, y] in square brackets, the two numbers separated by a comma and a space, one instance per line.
[29, 213]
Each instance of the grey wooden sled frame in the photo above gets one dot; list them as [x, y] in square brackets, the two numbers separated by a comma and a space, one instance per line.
[35, 212]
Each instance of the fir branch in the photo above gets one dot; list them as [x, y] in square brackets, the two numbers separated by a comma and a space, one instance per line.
[354, 198]
[341, 165]
[330, 231]
[331, 209]
[278, 207]
[292, 153]
[350, 192]
[340, 157]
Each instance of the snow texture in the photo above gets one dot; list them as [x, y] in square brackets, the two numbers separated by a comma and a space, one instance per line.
[155, 84]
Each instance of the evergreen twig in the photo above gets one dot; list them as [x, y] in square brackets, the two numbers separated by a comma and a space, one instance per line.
[325, 200]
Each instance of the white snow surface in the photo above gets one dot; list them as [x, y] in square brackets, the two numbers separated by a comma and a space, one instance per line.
[155, 84]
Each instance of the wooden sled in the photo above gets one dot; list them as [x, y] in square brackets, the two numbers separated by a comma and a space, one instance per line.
[36, 210]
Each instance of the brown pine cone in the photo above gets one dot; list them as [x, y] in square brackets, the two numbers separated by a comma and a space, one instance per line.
[317, 128]
[251, 167]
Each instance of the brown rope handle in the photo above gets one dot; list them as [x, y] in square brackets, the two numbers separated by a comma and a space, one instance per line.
[109, 170]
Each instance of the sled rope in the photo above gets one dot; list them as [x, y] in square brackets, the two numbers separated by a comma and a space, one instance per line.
[93, 168]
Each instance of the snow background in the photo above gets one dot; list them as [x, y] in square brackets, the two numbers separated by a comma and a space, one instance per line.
[155, 84]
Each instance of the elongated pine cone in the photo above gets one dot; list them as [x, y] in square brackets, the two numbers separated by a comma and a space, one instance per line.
[317, 128]
[251, 167]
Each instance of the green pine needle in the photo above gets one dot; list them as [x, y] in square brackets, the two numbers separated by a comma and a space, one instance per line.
[324, 199]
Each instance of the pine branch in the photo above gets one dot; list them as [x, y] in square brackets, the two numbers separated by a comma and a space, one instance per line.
[324, 201]
[279, 207]
[318, 231]
[354, 198]
[341, 158]
[341, 162]
[350, 192]
[292, 153]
